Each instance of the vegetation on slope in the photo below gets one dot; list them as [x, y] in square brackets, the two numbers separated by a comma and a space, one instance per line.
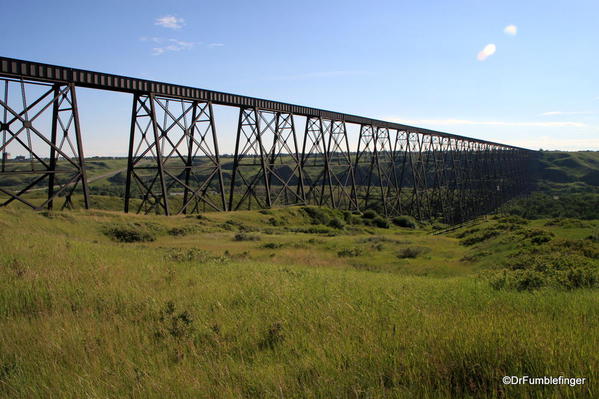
[101, 304]
[568, 187]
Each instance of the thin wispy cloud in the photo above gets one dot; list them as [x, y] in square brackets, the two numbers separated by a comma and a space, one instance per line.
[168, 45]
[486, 52]
[552, 143]
[553, 113]
[318, 75]
[170, 22]
[511, 30]
[462, 122]
[164, 45]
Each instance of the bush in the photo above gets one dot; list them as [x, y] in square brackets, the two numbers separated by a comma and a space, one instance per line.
[519, 280]
[348, 217]
[404, 221]
[370, 214]
[182, 231]
[349, 252]
[531, 272]
[538, 236]
[193, 255]
[271, 245]
[317, 215]
[380, 222]
[412, 252]
[575, 247]
[246, 237]
[276, 222]
[128, 233]
[311, 230]
[336, 223]
[481, 236]
[512, 219]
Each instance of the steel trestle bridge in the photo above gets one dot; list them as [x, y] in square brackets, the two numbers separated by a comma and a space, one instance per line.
[174, 165]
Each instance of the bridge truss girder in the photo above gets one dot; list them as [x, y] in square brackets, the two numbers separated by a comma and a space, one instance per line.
[174, 165]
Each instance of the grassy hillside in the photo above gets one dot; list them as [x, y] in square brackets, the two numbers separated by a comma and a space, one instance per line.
[293, 303]
[567, 186]
[570, 167]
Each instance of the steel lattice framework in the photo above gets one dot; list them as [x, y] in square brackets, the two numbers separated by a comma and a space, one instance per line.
[174, 165]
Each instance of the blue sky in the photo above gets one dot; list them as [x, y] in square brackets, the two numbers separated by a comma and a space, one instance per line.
[418, 63]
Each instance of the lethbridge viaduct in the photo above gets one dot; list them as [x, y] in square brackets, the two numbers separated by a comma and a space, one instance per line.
[174, 165]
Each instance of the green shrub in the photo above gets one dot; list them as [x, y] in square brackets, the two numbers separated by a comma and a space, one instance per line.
[412, 252]
[370, 214]
[555, 204]
[276, 222]
[468, 232]
[317, 215]
[347, 217]
[520, 280]
[530, 272]
[336, 223]
[311, 230]
[538, 236]
[481, 236]
[512, 219]
[246, 237]
[182, 231]
[349, 252]
[404, 221]
[271, 245]
[380, 222]
[584, 248]
[193, 255]
[566, 223]
[129, 233]
[231, 225]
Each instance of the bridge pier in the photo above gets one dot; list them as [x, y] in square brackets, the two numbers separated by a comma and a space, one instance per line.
[41, 120]
[173, 164]
[375, 169]
[327, 165]
[263, 173]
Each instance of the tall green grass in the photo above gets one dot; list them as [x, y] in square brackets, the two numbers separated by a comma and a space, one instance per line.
[82, 315]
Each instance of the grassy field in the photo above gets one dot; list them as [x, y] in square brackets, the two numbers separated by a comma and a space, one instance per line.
[291, 303]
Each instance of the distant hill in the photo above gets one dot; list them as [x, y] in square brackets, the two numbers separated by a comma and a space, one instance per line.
[570, 167]
[567, 186]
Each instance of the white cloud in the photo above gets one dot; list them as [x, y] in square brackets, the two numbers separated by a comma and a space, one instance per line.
[552, 113]
[171, 45]
[454, 122]
[511, 30]
[552, 143]
[165, 45]
[170, 22]
[486, 52]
